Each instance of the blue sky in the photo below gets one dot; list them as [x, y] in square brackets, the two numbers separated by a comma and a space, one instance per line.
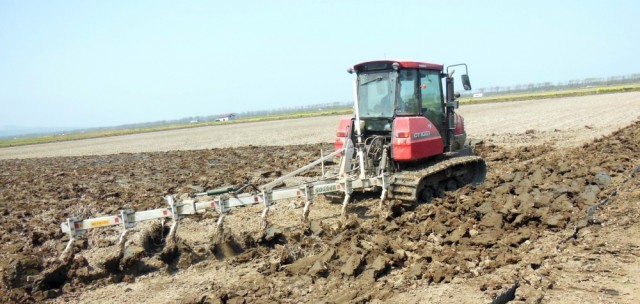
[104, 63]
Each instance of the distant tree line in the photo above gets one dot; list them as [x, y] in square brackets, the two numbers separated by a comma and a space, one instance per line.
[562, 85]
[302, 108]
[248, 114]
[521, 88]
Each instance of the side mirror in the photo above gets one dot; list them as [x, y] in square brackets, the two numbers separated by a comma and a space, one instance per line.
[465, 82]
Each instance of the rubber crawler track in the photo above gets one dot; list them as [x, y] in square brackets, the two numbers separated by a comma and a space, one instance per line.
[408, 184]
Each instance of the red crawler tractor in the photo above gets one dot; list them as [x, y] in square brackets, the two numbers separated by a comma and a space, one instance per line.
[409, 129]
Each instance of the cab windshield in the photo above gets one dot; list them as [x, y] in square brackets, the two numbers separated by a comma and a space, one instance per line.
[385, 93]
[376, 94]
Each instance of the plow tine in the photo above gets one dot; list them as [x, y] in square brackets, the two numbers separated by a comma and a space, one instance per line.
[172, 231]
[176, 217]
[123, 239]
[307, 203]
[124, 215]
[385, 183]
[265, 222]
[267, 196]
[67, 249]
[219, 232]
[70, 223]
[383, 196]
[305, 211]
[344, 205]
[347, 197]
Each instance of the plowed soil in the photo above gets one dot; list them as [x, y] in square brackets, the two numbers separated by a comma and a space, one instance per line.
[524, 234]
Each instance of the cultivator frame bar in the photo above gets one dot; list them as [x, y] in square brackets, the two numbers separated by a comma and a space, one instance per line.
[225, 199]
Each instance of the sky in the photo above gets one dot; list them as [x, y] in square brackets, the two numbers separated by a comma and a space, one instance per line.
[81, 64]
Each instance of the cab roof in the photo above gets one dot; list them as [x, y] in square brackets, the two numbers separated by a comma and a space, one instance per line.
[386, 64]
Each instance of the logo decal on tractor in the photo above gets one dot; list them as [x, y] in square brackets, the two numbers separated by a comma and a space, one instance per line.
[419, 135]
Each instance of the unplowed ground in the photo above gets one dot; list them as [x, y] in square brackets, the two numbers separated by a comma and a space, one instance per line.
[564, 121]
[526, 225]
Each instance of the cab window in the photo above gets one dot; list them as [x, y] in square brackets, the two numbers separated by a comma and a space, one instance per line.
[408, 96]
[431, 96]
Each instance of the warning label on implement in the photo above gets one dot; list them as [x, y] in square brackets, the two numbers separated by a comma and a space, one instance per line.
[100, 223]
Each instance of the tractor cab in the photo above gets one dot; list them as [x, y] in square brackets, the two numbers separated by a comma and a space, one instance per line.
[389, 89]
[401, 104]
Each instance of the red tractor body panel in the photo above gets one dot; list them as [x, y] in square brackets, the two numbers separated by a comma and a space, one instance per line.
[415, 138]
[343, 133]
[459, 124]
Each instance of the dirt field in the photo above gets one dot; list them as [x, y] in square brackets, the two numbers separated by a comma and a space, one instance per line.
[526, 226]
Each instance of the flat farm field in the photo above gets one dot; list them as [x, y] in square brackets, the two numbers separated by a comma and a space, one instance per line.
[561, 121]
[523, 235]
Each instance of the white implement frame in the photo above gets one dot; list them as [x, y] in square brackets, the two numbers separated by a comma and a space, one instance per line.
[346, 182]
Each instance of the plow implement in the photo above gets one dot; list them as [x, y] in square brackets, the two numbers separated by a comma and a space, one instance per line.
[223, 200]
